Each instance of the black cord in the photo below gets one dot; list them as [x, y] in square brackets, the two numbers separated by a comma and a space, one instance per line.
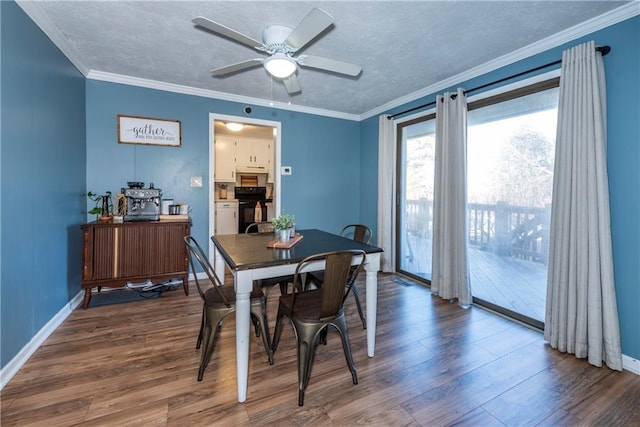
[149, 294]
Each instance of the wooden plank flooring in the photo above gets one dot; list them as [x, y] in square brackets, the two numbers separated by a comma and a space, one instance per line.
[135, 364]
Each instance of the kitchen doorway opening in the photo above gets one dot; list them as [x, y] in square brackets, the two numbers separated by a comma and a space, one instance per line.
[252, 130]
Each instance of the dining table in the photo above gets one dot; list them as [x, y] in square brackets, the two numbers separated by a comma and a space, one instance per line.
[249, 257]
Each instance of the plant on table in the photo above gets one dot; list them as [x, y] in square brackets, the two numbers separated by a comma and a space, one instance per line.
[103, 204]
[283, 222]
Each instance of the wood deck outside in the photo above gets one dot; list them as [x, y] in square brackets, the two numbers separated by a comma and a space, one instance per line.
[515, 284]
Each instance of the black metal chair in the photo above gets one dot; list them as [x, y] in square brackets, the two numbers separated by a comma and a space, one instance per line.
[259, 227]
[218, 302]
[268, 283]
[312, 312]
[360, 233]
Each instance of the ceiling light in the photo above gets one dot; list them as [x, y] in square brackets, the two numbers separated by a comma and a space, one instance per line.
[280, 65]
[235, 127]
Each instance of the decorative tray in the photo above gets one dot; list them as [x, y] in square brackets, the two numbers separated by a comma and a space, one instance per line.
[277, 244]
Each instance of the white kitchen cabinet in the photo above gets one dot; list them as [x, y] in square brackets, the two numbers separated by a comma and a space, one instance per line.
[271, 167]
[226, 217]
[271, 211]
[225, 160]
[257, 153]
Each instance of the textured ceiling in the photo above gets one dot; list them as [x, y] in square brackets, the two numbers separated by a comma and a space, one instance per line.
[403, 47]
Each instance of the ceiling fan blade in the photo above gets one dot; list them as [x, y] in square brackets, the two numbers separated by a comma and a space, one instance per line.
[311, 26]
[329, 64]
[291, 84]
[227, 32]
[239, 66]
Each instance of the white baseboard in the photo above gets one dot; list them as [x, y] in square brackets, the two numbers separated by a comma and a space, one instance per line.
[630, 364]
[11, 368]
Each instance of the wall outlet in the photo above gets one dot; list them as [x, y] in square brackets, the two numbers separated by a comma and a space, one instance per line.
[196, 181]
[286, 170]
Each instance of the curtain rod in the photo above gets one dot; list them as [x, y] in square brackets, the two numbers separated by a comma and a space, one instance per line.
[604, 50]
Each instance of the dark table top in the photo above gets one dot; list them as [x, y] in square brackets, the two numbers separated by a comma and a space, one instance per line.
[248, 251]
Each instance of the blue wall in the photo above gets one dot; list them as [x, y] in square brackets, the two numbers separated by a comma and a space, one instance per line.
[323, 191]
[369, 174]
[622, 69]
[52, 152]
[42, 179]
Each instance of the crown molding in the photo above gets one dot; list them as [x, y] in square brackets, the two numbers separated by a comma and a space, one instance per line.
[34, 12]
[188, 90]
[615, 16]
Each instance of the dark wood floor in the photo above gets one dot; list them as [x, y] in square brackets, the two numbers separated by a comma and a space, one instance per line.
[135, 364]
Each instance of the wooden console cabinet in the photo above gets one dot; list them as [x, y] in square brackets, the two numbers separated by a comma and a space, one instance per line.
[114, 254]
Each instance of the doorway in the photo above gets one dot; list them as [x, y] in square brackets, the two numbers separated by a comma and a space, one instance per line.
[252, 127]
[510, 157]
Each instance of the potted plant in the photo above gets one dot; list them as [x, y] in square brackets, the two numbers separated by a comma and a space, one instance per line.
[103, 205]
[283, 225]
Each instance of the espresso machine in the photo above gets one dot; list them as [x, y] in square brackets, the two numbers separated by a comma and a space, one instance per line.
[143, 204]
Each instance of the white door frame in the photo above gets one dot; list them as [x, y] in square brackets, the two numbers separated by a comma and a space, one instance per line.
[212, 153]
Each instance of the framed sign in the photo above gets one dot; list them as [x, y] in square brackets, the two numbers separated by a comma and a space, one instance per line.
[145, 130]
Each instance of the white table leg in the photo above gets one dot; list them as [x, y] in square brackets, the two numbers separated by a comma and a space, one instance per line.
[219, 266]
[242, 344]
[371, 269]
[243, 322]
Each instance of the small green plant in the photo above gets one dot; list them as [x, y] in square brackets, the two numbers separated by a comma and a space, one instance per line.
[283, 222]
[99, 200]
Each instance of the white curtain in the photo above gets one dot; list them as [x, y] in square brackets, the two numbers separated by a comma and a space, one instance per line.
[450, 270]
[581, 314]
[386, 180]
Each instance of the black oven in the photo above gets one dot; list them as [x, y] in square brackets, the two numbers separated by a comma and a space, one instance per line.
[248, 198]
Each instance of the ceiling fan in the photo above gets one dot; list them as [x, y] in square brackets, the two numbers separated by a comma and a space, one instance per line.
[281, 43]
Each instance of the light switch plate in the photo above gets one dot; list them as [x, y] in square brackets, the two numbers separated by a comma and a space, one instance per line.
[196, 181]
[286, 170]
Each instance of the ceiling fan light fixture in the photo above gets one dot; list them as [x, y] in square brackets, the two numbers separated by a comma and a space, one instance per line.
[280, 65]
[234, 127]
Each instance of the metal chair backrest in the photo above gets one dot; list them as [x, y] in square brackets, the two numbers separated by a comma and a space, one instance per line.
[336, 274]
[198, 257]
[358, 232]
[259, 227]
[353, 274]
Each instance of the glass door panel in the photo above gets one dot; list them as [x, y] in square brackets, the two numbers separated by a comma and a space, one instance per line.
[510, 155]
[414, 213]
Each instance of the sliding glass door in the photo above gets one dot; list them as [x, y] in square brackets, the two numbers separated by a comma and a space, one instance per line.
[416, 151]
[510, 155]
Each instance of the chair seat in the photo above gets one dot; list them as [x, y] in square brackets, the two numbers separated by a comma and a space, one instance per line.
[308, 305]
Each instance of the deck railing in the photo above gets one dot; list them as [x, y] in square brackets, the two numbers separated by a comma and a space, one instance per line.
[518, 231]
